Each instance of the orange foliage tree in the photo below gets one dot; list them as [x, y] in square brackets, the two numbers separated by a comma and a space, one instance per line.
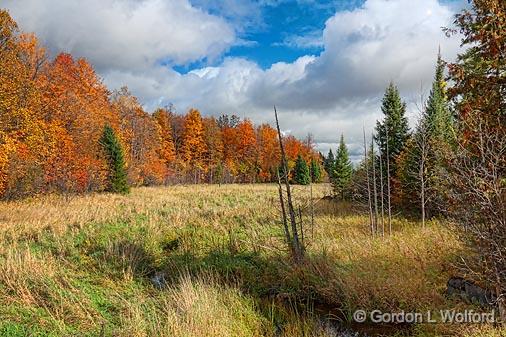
[214, 153]
[76, 102]
[269, 153]
[247, 151]
[22, 131]
[167, 148]
[194, 147]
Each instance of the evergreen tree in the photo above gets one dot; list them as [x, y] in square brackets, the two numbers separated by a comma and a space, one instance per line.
[438, 124]
[436, 133]
[437, 114]
[396, 123]
[316, 173]
[301, 172]
[342, 170]
[328, 164]
[117, 177]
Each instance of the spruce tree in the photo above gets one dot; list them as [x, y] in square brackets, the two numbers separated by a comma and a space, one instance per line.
[436, 133]
[117, 177]
[315, 171]
[328, 164]
[437, 117]
[438, 123]
[396, 123]
[341, 176]
[301, 172]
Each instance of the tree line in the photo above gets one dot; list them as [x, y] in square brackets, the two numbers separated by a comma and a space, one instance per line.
[62, 130]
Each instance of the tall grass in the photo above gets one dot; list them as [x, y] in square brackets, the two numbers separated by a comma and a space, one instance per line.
[82, 265]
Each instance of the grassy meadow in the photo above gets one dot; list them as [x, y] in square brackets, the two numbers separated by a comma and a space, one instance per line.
[210, 260]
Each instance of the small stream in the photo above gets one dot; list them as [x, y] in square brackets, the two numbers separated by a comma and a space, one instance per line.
[331, 318]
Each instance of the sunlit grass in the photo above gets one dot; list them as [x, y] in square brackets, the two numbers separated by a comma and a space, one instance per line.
[83, 264]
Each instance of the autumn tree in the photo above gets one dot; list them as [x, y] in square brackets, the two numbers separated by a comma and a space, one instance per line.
[214, 153]
[247, 151]
[23, 131]
[75, 99]
[478, 169]
[269, 155]
[193, 150]
[141, 136]
[167, 148]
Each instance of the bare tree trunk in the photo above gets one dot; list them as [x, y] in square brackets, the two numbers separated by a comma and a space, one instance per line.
[374, 186]
[296, 242]
[422, 191]
[283, 214]
[311, 205]
[301, 227]
[366, 161]
[382, 197]
[311, 198]
[421, 141]
[501, 299]
[388, 187]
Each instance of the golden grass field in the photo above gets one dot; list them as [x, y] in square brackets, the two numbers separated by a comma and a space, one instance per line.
[82, 266]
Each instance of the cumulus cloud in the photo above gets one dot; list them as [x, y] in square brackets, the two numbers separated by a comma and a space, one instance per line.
[337, 91]
[128, 34]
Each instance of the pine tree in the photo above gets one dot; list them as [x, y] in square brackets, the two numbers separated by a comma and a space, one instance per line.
[342, 170]
[328, 164]
[117, 177]
[301, 172]
[396, 123]
[316, 174]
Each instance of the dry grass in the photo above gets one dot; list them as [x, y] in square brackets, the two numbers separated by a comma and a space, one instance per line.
[194, 307]
[71, 265]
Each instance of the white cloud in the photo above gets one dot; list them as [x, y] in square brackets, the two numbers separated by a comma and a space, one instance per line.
[129, 34]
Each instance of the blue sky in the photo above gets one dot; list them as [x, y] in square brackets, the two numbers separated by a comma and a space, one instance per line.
[324, 64]
[273, 37]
